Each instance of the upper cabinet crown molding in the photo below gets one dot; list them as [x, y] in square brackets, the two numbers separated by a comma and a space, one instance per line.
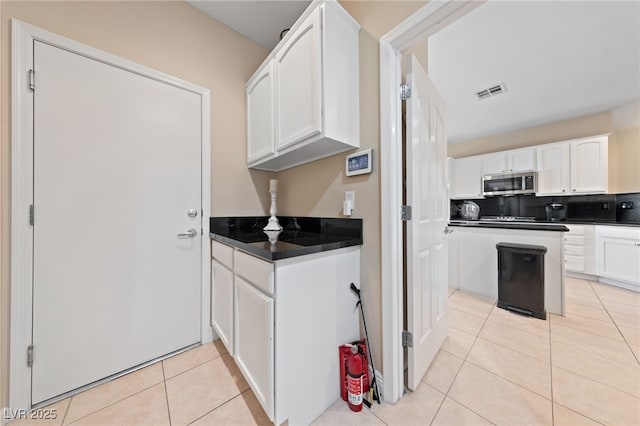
[303, 103]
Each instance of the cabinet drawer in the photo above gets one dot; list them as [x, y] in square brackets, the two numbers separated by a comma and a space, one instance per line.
[222, 253]
[575, 229]
[574, 250]
[256, 271]
[574, 263]
[576, 240]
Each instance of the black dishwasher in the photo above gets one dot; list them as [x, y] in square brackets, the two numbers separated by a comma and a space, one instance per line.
[521, 278]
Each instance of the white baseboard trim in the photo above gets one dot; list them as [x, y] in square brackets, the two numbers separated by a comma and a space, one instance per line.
[582, 276]
[621, 284]
[608, 281]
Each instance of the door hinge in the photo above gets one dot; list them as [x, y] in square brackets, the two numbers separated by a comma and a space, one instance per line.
[405, 91]
[31, 215]
[407, 339]
[405, 213]
[30, 355]
[32, 80]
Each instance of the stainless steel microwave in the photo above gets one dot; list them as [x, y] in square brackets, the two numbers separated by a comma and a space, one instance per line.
[510, 184]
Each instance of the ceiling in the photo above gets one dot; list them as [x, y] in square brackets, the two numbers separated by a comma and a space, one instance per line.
[259, 21]
[557, 60]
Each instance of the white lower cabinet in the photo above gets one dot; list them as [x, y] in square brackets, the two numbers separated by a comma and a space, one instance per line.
[579, 249]
[254, 342]
[222, 293]
[289, 318]
[618, 255]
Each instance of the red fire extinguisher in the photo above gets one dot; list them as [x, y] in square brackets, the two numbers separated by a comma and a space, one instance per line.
[355, 378]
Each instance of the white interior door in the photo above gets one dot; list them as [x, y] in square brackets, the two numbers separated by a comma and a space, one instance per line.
[117, 165]
[427, 266]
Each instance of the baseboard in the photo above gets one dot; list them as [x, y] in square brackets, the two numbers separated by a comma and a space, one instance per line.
[582, 276]
[621, 284]
[608, 281]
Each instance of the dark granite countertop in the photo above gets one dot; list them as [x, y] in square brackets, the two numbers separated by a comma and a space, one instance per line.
[300, 236]
[532, 226]
[587, 222]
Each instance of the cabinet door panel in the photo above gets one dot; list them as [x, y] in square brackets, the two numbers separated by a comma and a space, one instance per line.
[494, 163]
[254, 341]
[222, 303]
[467, 178]
[260, 132]
[589, 166]
[553, 169]
[521, 160]
[620, 259]
[299, 109]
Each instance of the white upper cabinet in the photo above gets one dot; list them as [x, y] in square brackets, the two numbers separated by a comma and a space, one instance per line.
[299, 84]
[314, 110]
[521, 160]
[260, 131]
[514, 161]
[494, 163]
[467, 178]
[579, 166]
[589, 165]
[553, 169]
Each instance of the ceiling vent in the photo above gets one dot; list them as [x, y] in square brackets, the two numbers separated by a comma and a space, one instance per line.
[491, 91]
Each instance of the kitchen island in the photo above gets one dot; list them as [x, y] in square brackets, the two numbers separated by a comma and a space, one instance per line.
[282, 305]
[473, 258]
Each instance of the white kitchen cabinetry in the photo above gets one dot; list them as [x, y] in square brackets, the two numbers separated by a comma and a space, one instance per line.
[260, 121]
[254, 341]
[222, 293]
[467, 178]
[579, 249]
[553, 169]
[573, 167]
[290, 316]
[314, 110]
[618, 255]
[514, 161]
[589, 165]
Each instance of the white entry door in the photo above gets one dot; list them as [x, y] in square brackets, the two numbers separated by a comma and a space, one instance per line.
[426, 257]
[117, 167]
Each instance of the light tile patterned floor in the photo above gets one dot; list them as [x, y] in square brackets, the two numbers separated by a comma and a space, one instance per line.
[494, 368]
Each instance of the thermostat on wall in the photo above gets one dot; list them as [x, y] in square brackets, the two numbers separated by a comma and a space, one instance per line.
[359, 163]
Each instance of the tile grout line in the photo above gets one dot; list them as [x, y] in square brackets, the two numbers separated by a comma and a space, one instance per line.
[166, 392]
[113, 403]
[446, 395]
[614, 321]
[218, 406]
[66, 411]
[195, 366]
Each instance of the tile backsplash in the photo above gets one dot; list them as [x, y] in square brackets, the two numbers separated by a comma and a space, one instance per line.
[588, 208]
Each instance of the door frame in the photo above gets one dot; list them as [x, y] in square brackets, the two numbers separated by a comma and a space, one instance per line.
[22, 40]
[428, 20]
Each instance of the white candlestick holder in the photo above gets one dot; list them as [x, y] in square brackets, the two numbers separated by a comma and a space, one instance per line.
[273, 224]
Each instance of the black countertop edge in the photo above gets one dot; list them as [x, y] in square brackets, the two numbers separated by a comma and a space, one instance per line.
[300, 236]
[280, 253]
[533, 226]
[591, 222]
